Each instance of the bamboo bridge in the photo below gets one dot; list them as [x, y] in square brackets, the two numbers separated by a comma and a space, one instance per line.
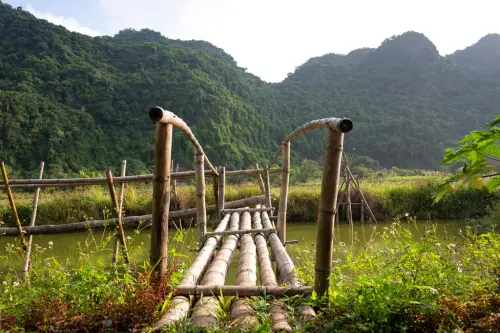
[248, 225]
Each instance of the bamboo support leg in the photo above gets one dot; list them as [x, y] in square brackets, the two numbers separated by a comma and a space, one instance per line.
[26, 265]
[222, 185]
[13, 207]
[215, 184]
[116, 248]
[260, 180]
[201, 211]
[267, 189]
[358, 188]
[285, 178]
[326, 214]
[362, 212]
[120, 233]
[161, 197]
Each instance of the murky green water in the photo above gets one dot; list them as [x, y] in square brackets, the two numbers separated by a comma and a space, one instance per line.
[97, 246]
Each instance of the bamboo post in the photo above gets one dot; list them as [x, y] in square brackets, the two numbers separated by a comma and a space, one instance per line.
[362, 211]
[326, 214]
[215, 186]
[222, 185]
[241, 309]
[261, 181]
[120, 233]
[205, 311]
[116, 248]
[285, 178]
[13, 206]
[201, 212]
[348, 196]
[26, 265]
[267, 189]
[358, 188]
[161, 197]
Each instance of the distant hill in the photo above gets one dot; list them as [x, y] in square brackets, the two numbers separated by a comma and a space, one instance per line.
[81, 102]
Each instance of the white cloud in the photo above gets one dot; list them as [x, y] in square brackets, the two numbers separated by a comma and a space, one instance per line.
[67, 22]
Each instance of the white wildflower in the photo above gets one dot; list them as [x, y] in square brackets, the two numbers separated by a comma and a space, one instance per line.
[129, 238]
[438, 244]
[433, 290]
[407, 214]
[51, 243]
[16, 284]
[392, 232]
[4, 283]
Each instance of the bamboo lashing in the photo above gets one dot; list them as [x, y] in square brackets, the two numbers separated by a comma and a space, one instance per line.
[12, 203]
[179, 307]
[62, 182]
[120, 233]
[204, 313]
[342, 125]
[246, 277]
[161, 198]
[27, 259]
[128, 221]
[279, 322]
[116, 247]
[285, 179]
[327, 207]
[201, 213]
[159, 115]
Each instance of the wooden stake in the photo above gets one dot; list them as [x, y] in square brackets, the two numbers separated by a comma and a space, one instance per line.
[222, 184]
[13, 207]
[261, 181]
[285, 178]
[26, 265]
[161, 197]
[326, 214]
[201, 212]
[267, 189]
[116, 248]
[120, 233]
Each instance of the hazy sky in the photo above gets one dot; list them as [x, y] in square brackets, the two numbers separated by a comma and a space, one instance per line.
[272, 37]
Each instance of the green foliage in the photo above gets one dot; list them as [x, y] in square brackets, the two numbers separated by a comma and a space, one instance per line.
[76, 101]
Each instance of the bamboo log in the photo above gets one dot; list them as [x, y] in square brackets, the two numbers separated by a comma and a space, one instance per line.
[26, 265]
[116, 247]
[241, 291]
[161, 197]
[241, 309]
[201, 213]
[249, 210]
[120, 233]
[129, 221]
[340, 125]
[180, 305]
[158, 115]
[326, 213]
[267, 190]
[222, 185]
[242, 232]
[285, 179]
[204, 313]
[356, 185]
[43, 183]
[261, 181]
[12, 203]
[279, 322]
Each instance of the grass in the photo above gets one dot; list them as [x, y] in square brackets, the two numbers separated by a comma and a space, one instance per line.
[389, 197]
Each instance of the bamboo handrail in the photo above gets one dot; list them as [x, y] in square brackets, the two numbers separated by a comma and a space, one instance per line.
[157, 114]
[343, 125]
[61, 182]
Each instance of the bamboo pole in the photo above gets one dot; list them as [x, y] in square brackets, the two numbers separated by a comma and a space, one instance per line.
[267, 189]
[261, 181]
[201, 213]
[242, 232]
[13, 206]
[128, 221]
[116, 248]
[358, 188]
[161, 197]
[67, 182]
[326, 214]
[362, 212]
[120, 233]
[222, 185]
[215, 187]
[348, 196]
[279, 322]
[246, 278]
[204, 313]
[241, 291]
[180, 305]
[26, 265]
[285, 179]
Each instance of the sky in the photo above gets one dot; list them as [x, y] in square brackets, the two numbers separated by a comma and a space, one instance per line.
[272, 37]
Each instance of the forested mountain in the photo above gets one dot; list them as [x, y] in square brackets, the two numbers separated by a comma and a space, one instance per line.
[81, 102]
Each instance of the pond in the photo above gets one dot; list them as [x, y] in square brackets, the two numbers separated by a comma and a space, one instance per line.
[97, 246]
